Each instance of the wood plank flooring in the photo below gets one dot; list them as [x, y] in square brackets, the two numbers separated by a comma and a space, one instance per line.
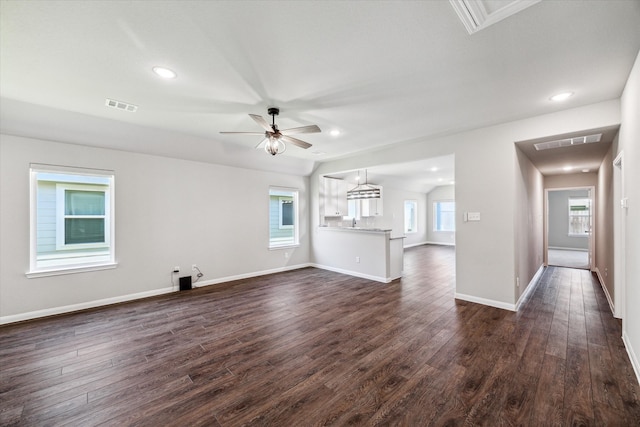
[312, 347]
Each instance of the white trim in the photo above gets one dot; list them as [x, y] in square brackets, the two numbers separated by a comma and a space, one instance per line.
[354, 273]
[82, 306]
[250, 275]
[560, 248]
[606, 291]
[532, 284]
[59, 271]
[413, 245]
[485, 301]
[440, 243]
[632, 355]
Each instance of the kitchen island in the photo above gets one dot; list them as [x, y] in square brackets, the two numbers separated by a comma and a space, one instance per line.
[371, 253]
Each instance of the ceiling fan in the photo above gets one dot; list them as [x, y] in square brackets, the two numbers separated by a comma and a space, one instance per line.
[275, 138]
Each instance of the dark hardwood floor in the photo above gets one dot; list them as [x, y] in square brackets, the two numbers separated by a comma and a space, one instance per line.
[312, 347]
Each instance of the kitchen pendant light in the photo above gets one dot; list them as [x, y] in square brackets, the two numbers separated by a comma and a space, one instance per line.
[363, 191]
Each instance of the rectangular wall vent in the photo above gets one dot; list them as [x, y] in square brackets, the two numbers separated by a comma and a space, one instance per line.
[119, 105]
[569, 142]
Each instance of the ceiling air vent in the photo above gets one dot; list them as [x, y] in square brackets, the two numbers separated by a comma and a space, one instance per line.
[119, 105]
[478, 14]
[568, 142]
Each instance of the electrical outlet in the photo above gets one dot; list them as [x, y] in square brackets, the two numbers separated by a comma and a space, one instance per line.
[357, 259]
[286, 255]
[176, 269]
[517, 281]
[194, 267]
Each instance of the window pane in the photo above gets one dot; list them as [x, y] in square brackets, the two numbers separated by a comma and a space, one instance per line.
[287, 212]
[283, 214]
[83, 230]
[444, 216]
[84, 202]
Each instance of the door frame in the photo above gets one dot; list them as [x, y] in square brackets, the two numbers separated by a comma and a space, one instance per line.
[592, 235]
[619, 233]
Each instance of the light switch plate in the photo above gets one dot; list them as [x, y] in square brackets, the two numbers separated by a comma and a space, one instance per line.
[473, 216]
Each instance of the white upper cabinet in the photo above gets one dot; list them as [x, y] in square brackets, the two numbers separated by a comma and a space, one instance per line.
[335, 197]
[372, 207]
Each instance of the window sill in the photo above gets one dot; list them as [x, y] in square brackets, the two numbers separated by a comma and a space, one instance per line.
[69, 270]
[287, 246]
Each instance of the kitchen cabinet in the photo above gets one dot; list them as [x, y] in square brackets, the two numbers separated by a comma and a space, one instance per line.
[335, 197]
[372, 207]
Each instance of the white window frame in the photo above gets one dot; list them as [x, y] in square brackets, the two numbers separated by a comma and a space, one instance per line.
[65, 260]
[61, 215]
[435, 216]
[279, 242]
[413, 228]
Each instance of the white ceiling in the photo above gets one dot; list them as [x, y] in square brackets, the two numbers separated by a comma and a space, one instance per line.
[380, 72]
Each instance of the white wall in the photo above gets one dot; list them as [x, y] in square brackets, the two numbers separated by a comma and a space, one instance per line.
[440, 193]
[485, 174]
[168, 212]
[629, 143]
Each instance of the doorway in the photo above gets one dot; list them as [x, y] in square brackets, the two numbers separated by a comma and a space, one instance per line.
[569, 231]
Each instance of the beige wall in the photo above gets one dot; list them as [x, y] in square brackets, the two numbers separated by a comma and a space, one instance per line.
[604, 234]
[528, 220]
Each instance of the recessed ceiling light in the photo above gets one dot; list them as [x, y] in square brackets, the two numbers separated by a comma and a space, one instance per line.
[165, 73]
[439, 179]
[319, 153]
[585, 170]
[334, 132]
[567, 168]
[452, 182]
[561, 96]
[434, 169]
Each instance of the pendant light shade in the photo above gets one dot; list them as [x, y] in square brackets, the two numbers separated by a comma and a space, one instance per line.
[363, 191]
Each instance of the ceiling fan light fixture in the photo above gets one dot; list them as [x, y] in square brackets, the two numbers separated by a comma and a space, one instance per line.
[274, 146]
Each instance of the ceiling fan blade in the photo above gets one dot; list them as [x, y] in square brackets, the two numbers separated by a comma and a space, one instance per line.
[262, 143]
[244, 133]
[295, 141]
[302, 129]
[262, 122]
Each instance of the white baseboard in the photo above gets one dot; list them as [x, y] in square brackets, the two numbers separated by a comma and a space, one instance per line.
[632, 355]
[606, 291]
[413, 245]
[83, 306]
[354, 273]
[485, 301]
[532, 284]
[560, 248]
[440, 243]
[250, 275]
[131, 297]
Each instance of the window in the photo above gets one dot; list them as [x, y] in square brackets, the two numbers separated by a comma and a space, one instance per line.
[579, 216]
[444, 216]
[71, 220]
[410, 216]
[283, 217]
